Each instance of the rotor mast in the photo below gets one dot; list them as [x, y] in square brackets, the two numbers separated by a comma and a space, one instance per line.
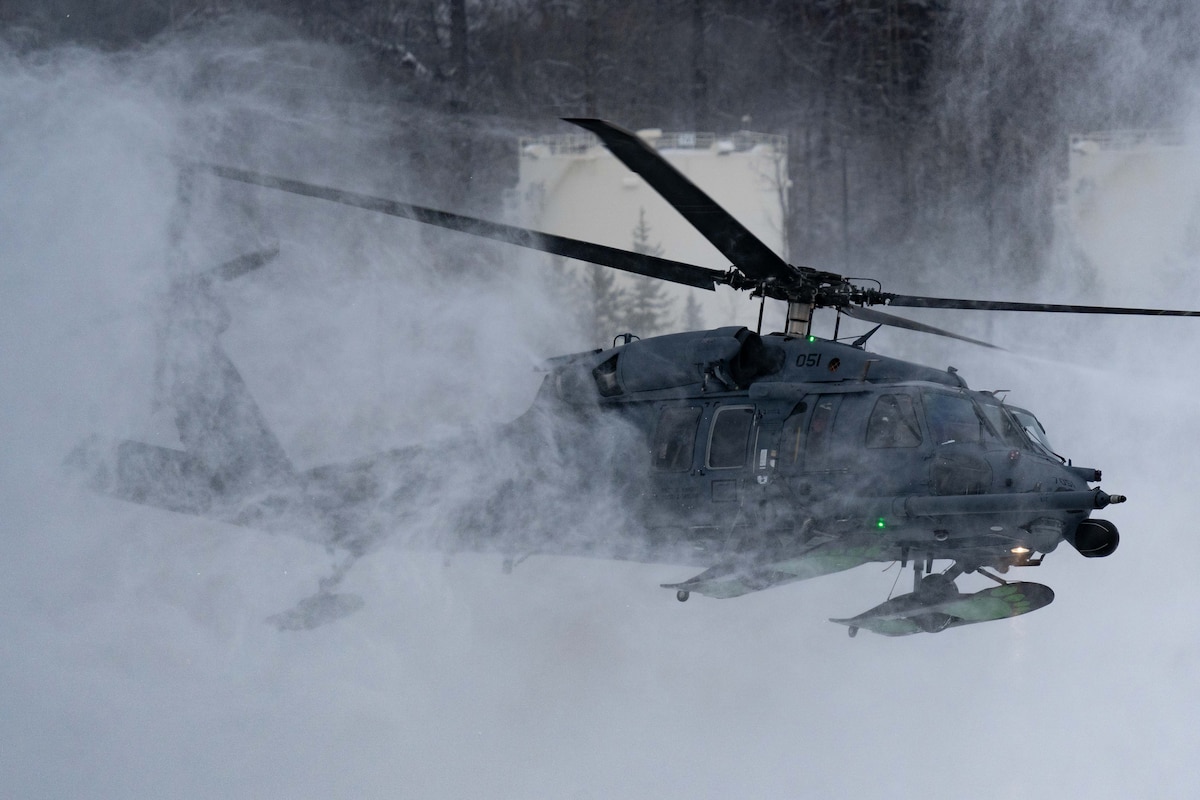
[799, 318]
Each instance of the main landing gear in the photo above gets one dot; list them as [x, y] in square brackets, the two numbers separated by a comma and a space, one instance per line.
[510, 561]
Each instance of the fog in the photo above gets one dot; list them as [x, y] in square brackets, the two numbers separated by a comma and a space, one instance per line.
[136, 660]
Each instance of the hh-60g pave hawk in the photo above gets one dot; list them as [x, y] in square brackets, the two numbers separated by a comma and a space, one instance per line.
[760, 459]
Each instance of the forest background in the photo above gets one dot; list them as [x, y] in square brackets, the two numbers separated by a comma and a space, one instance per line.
[922, 134]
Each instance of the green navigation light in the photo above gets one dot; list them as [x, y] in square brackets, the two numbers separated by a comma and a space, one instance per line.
[881, 523]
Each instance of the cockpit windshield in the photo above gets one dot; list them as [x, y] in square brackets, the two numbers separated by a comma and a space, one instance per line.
[1034, 430]
[1003, 423]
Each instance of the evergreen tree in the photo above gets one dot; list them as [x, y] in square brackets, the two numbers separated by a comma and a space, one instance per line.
[606, 301]
[647, 309]
[693, 315]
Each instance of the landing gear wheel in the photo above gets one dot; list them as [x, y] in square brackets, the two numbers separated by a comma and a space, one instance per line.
[853, 631]
[682, 595]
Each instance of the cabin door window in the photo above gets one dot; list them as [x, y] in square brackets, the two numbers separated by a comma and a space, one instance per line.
[730, 437]
[675, 439]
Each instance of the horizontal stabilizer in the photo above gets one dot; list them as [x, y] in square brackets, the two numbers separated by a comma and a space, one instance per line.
[145, 474]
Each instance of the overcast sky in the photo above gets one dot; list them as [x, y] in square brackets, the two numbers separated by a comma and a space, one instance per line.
[135, 661]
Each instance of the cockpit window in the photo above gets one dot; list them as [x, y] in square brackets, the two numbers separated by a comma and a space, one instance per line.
[952, 418]
[893, 423]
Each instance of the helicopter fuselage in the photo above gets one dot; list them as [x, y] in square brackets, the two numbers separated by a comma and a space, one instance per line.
[783, 446]
[763, 459]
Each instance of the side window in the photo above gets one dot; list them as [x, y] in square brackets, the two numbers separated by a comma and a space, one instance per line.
[952, 418]
[820, 426]
[791, 441]
[893, 423]
[675, 439]
[730, 438]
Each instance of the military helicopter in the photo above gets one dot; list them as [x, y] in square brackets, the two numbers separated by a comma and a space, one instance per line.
[759, 459]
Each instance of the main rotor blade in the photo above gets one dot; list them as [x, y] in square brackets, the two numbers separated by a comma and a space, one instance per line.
[638, 263]
[916, 301]
[237, 267]
[882, 318]
[735, 241]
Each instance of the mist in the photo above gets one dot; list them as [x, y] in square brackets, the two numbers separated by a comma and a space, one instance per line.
[136, 658]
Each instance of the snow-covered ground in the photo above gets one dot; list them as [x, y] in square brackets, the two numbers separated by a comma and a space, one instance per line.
[134, 660]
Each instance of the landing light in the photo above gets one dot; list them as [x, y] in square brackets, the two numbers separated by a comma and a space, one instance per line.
[1020, 550]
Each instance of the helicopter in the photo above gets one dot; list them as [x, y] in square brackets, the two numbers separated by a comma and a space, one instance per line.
[759, 459]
